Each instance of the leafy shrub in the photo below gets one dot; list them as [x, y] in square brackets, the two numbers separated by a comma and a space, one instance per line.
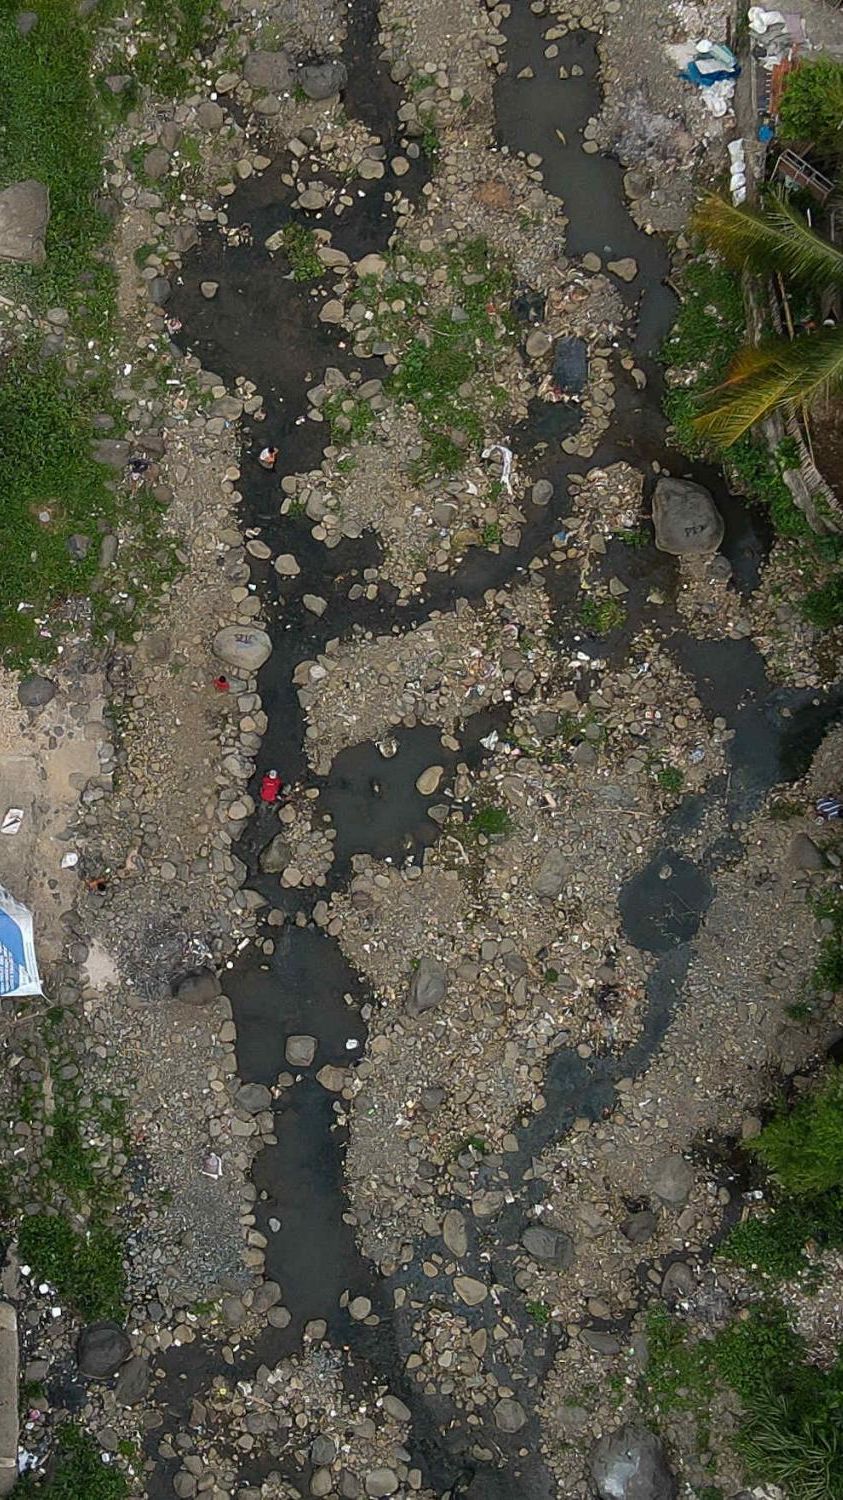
[811, 107]
[803, 1148]
[300, 250]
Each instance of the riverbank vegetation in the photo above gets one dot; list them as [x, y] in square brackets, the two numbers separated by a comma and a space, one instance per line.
[788, 1432]
[780, 373]
[57, 386]
[709, 332]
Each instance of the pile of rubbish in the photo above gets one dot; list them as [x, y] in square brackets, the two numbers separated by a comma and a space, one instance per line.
[737, 171]
[774, 36]
[713, 68]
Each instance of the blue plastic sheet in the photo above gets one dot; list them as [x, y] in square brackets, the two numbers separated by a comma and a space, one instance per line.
[18, 964]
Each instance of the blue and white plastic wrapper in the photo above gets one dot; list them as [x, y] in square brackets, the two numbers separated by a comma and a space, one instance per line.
[18, 964]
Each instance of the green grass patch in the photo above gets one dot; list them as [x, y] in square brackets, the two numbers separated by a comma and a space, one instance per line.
[77, 1473]
[51, 129]
[491, 821]
[774, 1247]
[178, 29]
[823, 606]
[299, 246]
[670, 778]
[441, 360]
[85, 1267]
[828, 970]
[52, 489]
[492, 534]
[348, 418]
[46, 469]
[539, 1312]
[602, 616]
[678, 1376]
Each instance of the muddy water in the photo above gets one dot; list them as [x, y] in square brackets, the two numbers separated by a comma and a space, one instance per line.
[263, 326]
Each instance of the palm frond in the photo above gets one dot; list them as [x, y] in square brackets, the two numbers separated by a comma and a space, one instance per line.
[773, 375]
[776, 239]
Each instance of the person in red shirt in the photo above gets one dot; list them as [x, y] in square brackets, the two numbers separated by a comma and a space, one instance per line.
[271, 787]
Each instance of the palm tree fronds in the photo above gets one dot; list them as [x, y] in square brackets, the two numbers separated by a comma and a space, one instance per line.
[779, 239]
[762, 379]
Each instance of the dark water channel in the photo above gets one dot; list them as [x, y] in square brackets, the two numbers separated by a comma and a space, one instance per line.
[264, 327]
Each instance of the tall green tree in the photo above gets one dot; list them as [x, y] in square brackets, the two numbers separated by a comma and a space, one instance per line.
[779, 372]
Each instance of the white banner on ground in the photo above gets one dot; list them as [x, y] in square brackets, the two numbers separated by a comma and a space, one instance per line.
[18, 964]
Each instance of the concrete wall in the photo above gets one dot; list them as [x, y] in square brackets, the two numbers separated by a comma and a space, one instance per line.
[8, 1397]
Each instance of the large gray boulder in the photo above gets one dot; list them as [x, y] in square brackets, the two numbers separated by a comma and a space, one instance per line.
[630, 1464]
[686, 518]
[553, 872]
[321, 80]
[199, 987]
[101, 1349]
[36, 691]
[549, 1247]
[111, 451]
[245, 647]
[24, 216]
[269, 70]
[276, 855]
[672, 1180]
[132, 1382]
[427, 986]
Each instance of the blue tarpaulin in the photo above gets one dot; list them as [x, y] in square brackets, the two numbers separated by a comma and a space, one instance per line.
[18, 965]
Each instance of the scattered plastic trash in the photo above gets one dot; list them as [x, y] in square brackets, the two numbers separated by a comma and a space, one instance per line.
[490, 740]
[713, 67]
[506, 457]
[718, 98]
[762, 21]
[69, 861]
[211, 1165]
[18, 964]
[559, 538]
[12, 820]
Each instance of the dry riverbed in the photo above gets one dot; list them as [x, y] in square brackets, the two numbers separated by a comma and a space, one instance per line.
[581, 966]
